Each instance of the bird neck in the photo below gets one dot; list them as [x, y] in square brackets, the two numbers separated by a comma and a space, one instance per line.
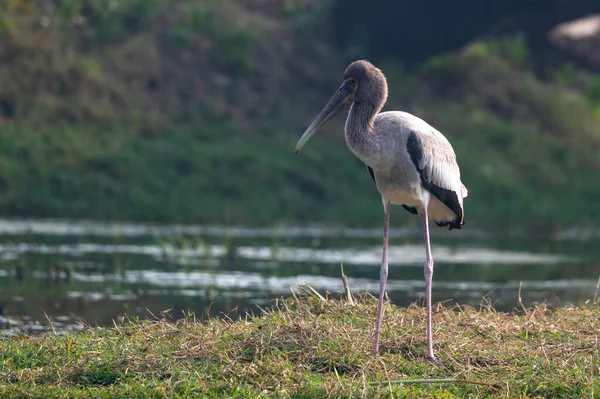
[360, 123]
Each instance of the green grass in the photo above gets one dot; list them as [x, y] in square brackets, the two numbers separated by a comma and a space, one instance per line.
[311, 347]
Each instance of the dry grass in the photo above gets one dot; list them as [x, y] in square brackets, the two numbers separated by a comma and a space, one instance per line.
[310, 347]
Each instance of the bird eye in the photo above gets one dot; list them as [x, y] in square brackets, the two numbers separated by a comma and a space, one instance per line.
[352, 81]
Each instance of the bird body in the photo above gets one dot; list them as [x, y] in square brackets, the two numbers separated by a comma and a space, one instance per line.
[412, 163]
[385, 150]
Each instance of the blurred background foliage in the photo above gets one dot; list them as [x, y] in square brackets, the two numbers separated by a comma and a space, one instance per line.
[188, 110]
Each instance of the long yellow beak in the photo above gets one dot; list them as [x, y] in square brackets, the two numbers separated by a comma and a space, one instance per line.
[334, 105]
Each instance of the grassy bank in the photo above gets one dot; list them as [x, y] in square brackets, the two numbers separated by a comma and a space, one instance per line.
[311, 347]
[183, 111]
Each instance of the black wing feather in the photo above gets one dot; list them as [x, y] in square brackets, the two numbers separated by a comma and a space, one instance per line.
[371, 173]
[445, 196]
[411, 209]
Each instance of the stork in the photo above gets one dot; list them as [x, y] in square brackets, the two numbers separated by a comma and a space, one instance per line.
[412, 164]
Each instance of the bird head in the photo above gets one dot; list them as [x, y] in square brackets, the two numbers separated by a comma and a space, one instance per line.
[362, 82]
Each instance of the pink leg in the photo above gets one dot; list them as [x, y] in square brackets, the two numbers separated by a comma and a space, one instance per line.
[428, 279]
[383, 274]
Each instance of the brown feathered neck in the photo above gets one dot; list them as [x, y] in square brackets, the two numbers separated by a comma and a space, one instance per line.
[369, 97]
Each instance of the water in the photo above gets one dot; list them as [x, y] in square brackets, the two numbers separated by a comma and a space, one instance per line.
[56, 274]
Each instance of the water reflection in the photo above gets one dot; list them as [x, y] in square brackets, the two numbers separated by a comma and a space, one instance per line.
[400, 255]
[69, 272]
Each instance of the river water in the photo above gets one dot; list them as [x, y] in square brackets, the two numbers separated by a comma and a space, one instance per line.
[56, 275]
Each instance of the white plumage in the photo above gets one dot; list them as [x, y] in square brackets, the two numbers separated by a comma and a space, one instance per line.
[398, 179]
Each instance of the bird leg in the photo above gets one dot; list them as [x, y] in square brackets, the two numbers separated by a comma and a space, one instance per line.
[383, 274]
[428, 279]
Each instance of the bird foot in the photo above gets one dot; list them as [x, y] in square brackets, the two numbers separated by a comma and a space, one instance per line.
[433, 360]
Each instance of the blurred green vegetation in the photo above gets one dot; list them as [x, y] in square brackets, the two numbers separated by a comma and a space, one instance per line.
[188, 111]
